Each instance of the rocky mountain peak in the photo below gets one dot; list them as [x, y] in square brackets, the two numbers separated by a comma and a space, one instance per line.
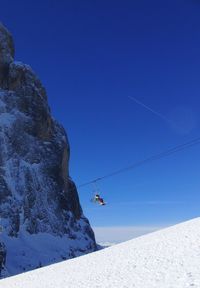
[7, 49]
[7, 52]
[38, 199]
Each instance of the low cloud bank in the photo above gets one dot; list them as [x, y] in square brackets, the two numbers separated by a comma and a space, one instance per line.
[122, 233]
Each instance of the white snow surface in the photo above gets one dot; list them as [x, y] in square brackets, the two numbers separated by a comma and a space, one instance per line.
[169, 258]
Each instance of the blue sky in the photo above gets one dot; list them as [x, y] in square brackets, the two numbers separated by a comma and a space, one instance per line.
[91, 56]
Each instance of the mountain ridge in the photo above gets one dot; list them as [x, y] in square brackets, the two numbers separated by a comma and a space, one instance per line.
[37, 194]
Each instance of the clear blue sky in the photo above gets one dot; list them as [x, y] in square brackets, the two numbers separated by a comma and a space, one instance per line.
[92, 55]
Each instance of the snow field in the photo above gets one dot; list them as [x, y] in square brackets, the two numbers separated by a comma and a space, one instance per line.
[169, 258]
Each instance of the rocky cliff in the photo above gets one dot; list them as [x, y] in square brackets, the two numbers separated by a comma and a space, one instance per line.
[41, 216]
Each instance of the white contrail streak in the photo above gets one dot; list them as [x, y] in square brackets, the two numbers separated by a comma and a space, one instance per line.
[150, 109]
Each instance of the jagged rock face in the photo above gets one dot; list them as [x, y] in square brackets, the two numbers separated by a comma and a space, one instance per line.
[7, 49]
[36, 193]
[6, 52]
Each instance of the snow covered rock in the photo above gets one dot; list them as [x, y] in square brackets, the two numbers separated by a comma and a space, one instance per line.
[38, 199]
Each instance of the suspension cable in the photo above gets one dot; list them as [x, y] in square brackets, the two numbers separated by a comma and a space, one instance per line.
[155, 157]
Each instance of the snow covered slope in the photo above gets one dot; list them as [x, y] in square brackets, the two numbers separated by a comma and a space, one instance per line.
[169, 258]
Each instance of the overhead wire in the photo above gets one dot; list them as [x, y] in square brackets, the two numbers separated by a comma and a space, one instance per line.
[152, 158]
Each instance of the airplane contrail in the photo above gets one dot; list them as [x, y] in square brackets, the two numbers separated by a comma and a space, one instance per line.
[150, 109]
